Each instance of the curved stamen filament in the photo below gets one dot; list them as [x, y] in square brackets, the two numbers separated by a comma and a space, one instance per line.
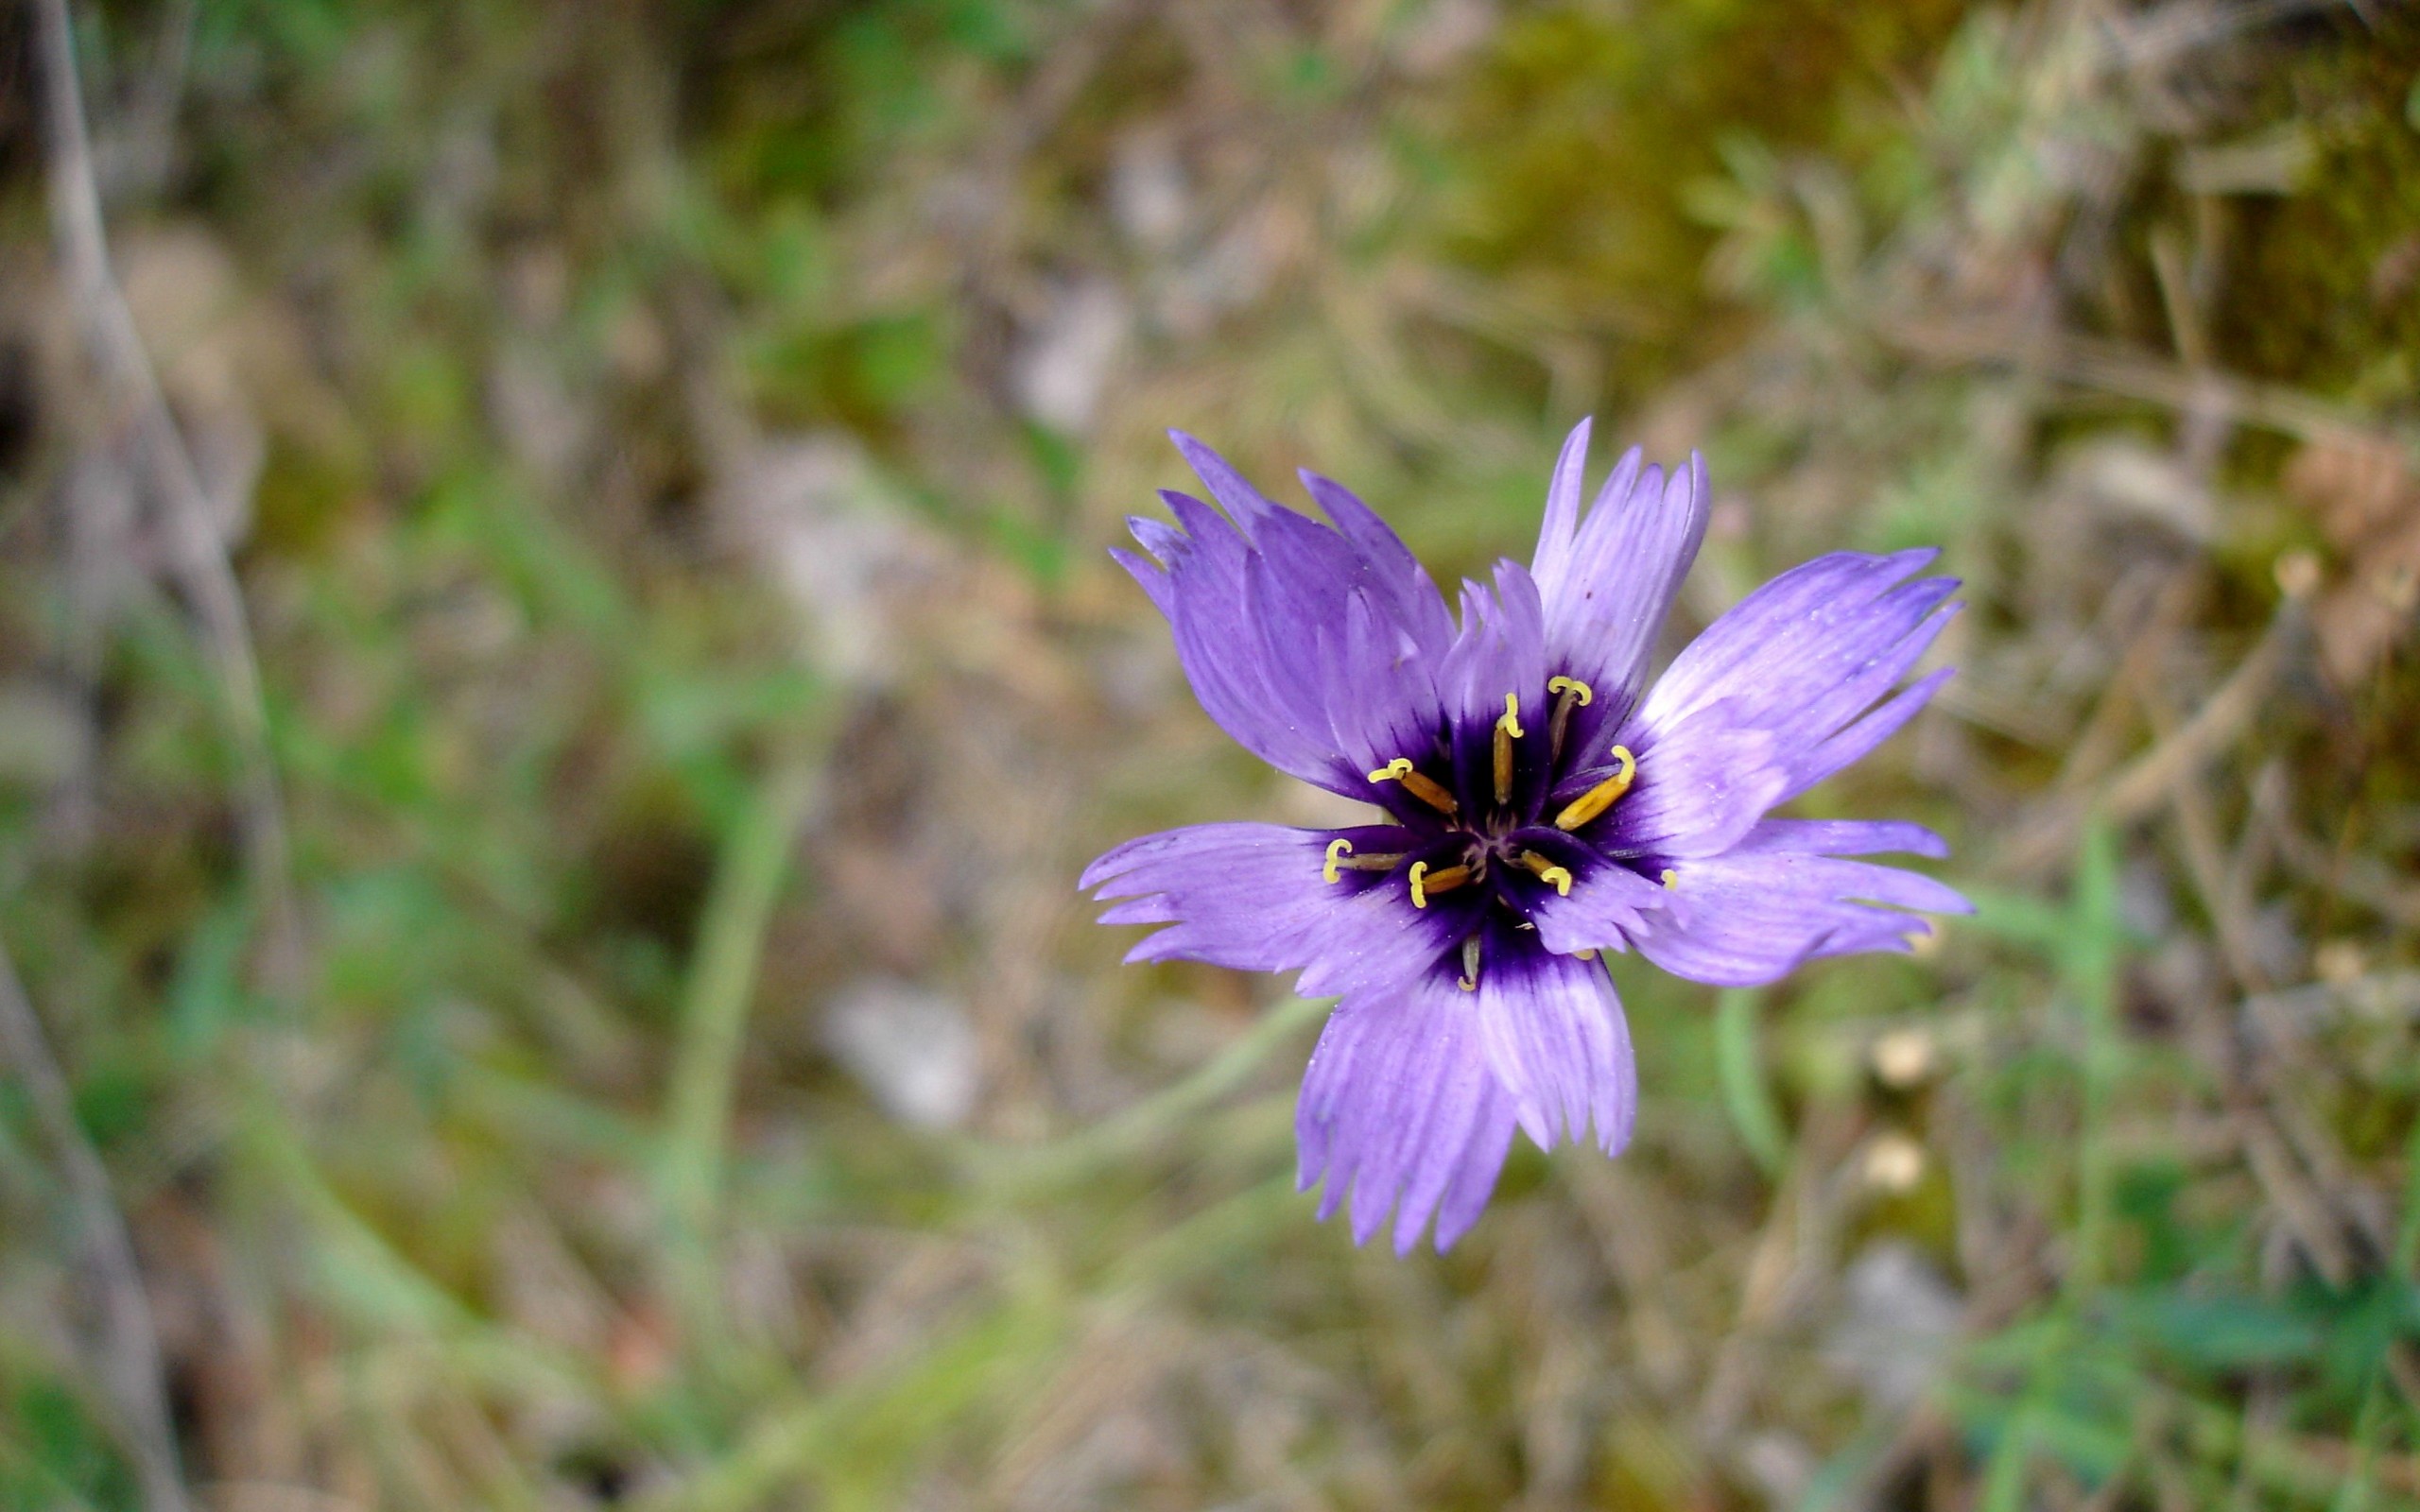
[1574, 693]
[1548, 872]
[1419, 785]
[1507, 729]
[1335, 848]
[1469, 982]
[1599, 797]
[1425, 883]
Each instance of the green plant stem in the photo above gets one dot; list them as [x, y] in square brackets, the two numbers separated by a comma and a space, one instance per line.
[713, 1020]
[1744, 1094]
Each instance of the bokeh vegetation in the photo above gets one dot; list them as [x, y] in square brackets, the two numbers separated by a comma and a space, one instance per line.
[609, 1022]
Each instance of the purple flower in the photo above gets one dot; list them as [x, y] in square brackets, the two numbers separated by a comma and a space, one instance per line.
[1539, 809]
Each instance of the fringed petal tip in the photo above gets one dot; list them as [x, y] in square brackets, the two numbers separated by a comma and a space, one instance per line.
[1400, 1117]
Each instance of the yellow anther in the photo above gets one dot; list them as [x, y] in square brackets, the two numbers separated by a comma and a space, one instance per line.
[1335, 848]
[1575, 693]
[1507, 729]
[1419, 785]
[1419, 884]
[1548, 872]
[1599, 797]
[1671, 879]
[1583, 956]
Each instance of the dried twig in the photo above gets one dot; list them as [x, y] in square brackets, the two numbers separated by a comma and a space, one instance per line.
[105, 1254]
[198, 555]
[2145, 784]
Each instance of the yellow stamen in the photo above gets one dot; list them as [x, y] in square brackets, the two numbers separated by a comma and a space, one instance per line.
[1335, 848]
[1599, 797]
[1507, 729]
[1419, 888]
[1445, 881]
[1547, 871]
[1419, 785]
[1469, 982]
[1583, 956]
[1671, 879]
[1575, 693]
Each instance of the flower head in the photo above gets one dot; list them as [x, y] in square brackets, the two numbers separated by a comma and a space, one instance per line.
[1542, 805]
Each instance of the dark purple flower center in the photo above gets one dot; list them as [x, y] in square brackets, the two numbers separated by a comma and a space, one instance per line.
[1491, 821]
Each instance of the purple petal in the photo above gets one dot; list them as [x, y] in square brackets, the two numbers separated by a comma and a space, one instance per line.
[1410, 593]
[1263, 611]
[1607, 597]
[1242, 895]
[1842, 837]
[1248, 505]
[1551, 560]
[1377, 688]
[1399, 1109]
[1751, 917]
[1501, 650]
[1699, 786]
[1858, 740]
[1598, 914]
[1797, 638]
[1555, 1035]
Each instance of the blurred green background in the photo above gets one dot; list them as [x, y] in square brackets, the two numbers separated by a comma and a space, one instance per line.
[538, 820]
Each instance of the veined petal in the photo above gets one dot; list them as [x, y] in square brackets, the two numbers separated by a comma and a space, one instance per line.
[1793, 642]
[1551, 561]
[1398, 578]
[1378, 689]
[1242, 895]
[1607, 597]
[1842, 837]
[1700, 784]
[1752, 916]
[1261, 602]
[1399, 1111]
[1251, 897]
[1501, 649]
[1606, 904]
[1555, 1036]
[1858, 740]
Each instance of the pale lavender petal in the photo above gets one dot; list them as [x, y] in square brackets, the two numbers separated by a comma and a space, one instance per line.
[1242, 895]
[1795, 637]
[1603, 906]
[1410, 595]
[1858, 740]
[1842, 837]
[1699, 787]
[1552, 558]
[1555, 1036]
[1606, 604]
[1380, 691]
[1748, 917]
[1501, 650]
[1236, 496]
[1398, 1109]
[1261, 606]
[1251, 897]
[1474, 1176]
